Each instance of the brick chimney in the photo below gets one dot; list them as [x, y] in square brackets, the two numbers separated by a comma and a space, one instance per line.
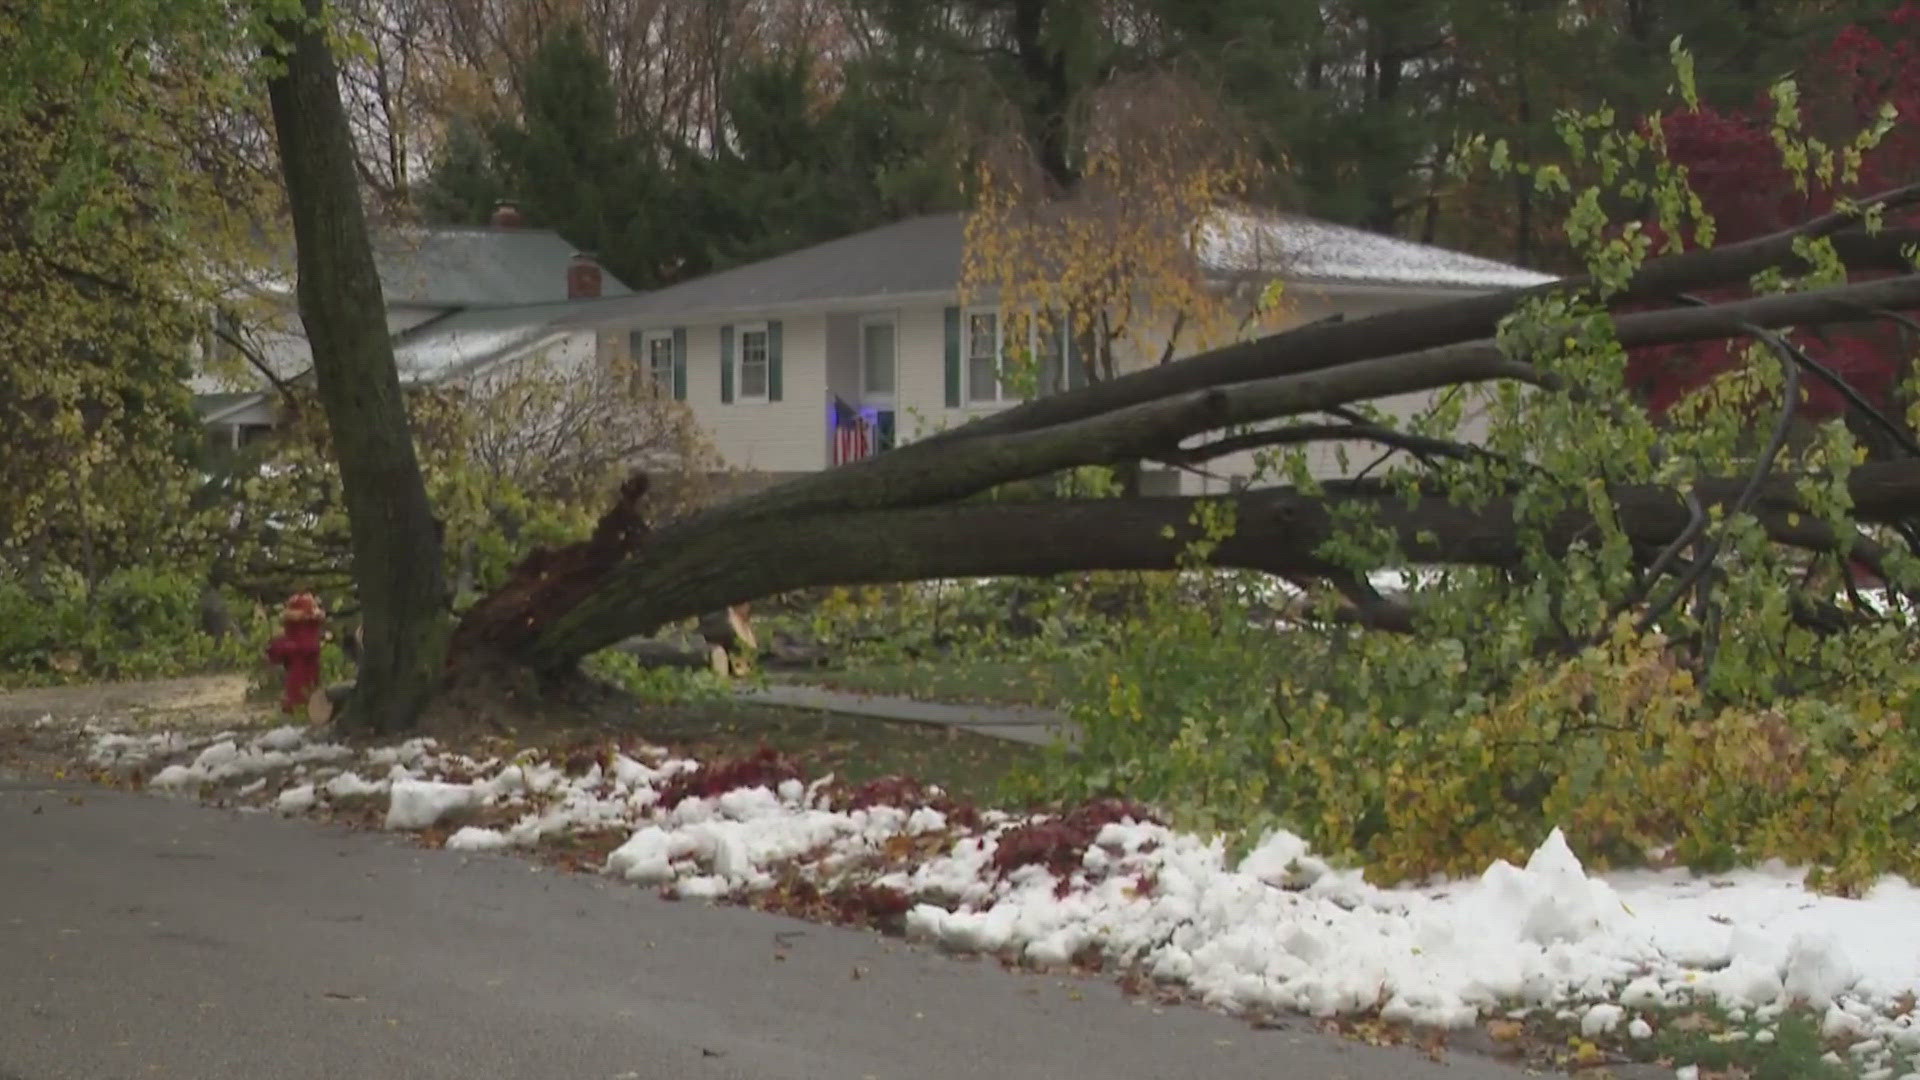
[506, 215]
[583, 277]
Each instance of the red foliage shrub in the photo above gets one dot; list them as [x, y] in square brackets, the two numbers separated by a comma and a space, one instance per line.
[1733, 165]
[1060, 842]
[765, 767]
[905, 792]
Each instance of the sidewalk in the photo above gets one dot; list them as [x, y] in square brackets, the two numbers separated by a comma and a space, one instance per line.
[1016, 723]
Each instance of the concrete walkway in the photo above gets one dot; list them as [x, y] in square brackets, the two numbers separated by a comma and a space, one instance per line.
[1016, 723]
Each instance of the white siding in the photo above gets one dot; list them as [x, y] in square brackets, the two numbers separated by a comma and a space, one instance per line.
[923, 386]
[792, 435]
[789, 435]
[922, 391]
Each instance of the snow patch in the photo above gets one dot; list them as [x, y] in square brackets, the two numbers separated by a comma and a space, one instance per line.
[422, 804]
[295, 800]
[280, 738]
[350, 784]
[472, 838]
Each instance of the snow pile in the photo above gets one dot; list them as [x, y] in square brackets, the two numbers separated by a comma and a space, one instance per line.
[111, 749]
[1278, 930]
[735, 842]
[422, 804]
[220, 758]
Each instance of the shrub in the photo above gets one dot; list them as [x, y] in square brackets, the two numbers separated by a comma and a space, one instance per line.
[139, 622]
[1400, 754]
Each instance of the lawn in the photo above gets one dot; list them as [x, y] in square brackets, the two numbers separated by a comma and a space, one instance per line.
[965, 682]
[970, 766]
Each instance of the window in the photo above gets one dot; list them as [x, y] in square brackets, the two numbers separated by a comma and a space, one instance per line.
[983, 357]
[753, 363]
[986, 353]
[876, 359]
[656, 360]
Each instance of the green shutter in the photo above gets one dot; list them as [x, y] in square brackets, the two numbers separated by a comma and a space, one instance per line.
[726, 365]
[679, 363]
[1076, 367]
[953, 358]
[773, 360]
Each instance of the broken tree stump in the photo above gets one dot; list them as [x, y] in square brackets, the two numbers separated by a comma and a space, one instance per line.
[730, 641]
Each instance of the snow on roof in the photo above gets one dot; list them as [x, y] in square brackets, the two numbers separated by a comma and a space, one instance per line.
[924, 255]
[1238, 242]
[456, 344]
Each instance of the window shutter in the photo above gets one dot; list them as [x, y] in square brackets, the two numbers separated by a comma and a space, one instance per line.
[953, 358]
[1052, 357]
[773, 360]
[726, 365]
[1076, 366]
[679, 363]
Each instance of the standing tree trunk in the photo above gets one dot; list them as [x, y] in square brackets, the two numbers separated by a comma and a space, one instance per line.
[396, 542]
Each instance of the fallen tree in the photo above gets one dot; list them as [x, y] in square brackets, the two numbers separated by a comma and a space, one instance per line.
[913, 513]
[906, 515]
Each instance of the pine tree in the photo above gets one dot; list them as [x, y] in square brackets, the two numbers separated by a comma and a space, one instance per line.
[466, 182]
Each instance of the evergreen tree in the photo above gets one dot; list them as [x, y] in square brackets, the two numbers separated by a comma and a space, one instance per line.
[466, 182]
[572, 169]
[793, 175]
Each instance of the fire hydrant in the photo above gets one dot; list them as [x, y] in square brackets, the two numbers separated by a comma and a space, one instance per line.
[297, 649]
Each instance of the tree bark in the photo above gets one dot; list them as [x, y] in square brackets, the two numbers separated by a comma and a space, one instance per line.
[676, 576]
[396, 541]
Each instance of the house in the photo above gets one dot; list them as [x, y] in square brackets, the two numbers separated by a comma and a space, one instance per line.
[843, 349]
[461, 302]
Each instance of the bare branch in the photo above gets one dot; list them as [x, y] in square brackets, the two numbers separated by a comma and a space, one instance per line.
[1301, 434]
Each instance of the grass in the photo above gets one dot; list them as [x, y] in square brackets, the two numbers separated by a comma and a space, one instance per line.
[964, 682]
[969, 766]
[1699, 1038]
[1703, 1035]
[693, 714]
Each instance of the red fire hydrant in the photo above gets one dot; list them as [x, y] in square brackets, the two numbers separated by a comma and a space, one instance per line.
[298, 649]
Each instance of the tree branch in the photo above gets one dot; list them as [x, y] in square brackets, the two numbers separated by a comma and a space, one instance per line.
[678, 573]
[1300, 434]
[1410, 330]
[1696, 575]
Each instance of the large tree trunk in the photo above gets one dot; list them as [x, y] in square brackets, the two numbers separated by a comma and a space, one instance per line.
[675, 575]
[396, 542]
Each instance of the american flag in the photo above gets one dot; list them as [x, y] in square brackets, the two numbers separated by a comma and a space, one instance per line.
[852, 434]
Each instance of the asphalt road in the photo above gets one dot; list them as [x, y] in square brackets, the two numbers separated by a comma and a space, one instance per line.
[144, 938]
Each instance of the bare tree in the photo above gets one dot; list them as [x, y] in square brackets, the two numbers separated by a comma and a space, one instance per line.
[387, 87]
